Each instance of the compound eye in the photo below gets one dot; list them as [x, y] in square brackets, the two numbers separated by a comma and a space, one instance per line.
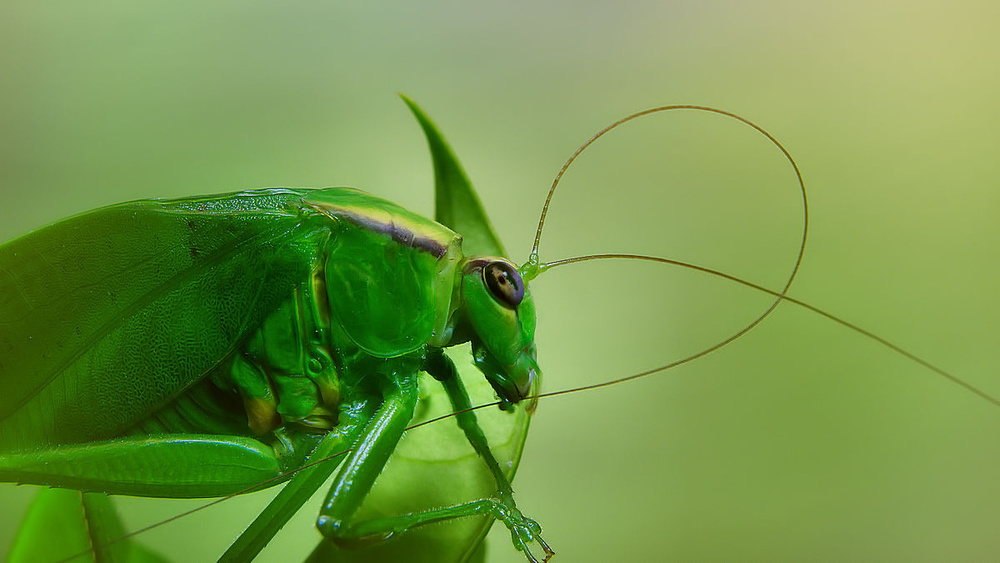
[504, 282]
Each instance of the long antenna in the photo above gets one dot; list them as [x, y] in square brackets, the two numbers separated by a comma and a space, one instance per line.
[530, 269]
[533, 268]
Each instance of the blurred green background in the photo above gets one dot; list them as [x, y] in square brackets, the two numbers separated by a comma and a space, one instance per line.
[801, 441]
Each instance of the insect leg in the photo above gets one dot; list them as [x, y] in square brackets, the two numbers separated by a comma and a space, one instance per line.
[338, 516]
[370, 453]
[523, 529]
[317, 469]
[357, 475]
[180, 466]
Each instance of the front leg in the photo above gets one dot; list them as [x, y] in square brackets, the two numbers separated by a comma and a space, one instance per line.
[523, 530]
[364, 463]
[354, 481]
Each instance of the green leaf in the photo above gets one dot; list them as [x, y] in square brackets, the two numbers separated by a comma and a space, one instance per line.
[456, 204]
[61, 524]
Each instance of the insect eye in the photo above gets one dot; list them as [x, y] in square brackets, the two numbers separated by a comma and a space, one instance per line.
[504, 282]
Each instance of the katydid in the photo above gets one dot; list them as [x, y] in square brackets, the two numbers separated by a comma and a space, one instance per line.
[501, 281]
[203, 346]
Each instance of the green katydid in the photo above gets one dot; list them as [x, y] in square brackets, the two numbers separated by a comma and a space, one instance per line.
[313, 416]
[217, 343]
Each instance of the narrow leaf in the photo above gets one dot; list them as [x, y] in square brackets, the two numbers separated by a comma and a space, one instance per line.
[61, 524]
[456, 204]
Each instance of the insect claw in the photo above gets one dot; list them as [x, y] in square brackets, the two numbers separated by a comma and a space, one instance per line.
[524, 546]
[548, 550]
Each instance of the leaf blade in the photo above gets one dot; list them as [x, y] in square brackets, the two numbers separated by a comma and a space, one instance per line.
[79, 521]
[456, 204]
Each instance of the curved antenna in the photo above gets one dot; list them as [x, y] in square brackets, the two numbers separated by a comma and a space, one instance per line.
[532, 268]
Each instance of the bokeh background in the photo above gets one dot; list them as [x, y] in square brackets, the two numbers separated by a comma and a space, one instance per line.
[800, 441]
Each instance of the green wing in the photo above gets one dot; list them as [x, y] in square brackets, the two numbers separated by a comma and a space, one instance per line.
[107, 315]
